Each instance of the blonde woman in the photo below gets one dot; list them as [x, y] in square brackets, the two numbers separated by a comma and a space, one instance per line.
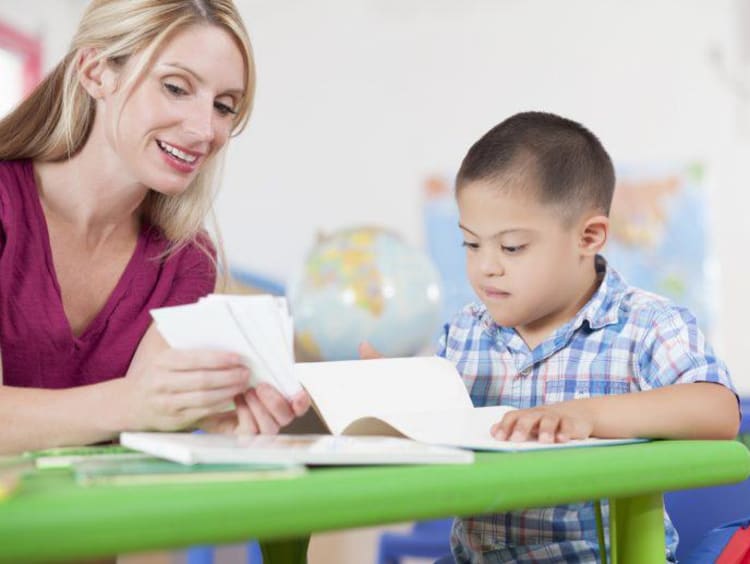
[105, 183]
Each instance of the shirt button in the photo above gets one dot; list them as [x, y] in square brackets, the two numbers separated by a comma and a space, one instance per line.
[525, 371]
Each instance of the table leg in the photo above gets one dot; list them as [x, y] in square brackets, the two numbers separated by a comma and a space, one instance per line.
[636, 529]
[287, 551]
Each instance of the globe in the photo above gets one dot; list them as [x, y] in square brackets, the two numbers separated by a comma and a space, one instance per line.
[364, 284]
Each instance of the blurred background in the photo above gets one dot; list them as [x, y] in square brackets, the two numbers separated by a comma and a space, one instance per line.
[365, 109]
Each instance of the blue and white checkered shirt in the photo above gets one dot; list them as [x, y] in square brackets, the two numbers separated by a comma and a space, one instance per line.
[623, 340]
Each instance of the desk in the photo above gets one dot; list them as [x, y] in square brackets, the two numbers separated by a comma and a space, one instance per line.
[51, 518]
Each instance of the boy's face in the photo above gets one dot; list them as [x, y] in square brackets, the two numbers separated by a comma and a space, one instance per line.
[525, 264]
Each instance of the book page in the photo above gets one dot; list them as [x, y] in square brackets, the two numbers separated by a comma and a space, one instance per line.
[467, 427]
[344, 391]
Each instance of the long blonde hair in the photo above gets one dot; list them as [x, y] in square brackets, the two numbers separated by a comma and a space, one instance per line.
[55, 121]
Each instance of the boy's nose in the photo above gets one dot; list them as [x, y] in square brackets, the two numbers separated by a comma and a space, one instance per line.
[491, 265]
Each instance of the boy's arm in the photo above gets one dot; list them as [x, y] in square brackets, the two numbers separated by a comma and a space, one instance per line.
[686, 393]
[701, 410]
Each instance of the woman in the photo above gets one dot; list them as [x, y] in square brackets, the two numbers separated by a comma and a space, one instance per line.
[105, 182]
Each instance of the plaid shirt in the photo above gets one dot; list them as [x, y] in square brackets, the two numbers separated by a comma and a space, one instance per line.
[623, 340]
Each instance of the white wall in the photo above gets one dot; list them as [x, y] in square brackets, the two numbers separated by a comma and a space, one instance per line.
[52, 20]
[358, 100]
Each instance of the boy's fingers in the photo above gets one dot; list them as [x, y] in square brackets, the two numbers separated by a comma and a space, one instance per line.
[548, 428]
[368, 352]
[524, 426]
[566, 431]
[502, 430]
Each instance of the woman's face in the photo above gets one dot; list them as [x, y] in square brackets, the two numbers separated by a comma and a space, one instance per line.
[180, 113]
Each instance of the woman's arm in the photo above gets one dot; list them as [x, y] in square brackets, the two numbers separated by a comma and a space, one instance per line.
[164, 390]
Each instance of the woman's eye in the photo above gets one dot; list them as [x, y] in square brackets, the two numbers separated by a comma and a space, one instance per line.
[174, 89]
[470, 246]
[512, 249]
[223, 109]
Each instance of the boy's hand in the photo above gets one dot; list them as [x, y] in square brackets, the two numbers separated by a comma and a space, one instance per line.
[547, 424]
[368, 352]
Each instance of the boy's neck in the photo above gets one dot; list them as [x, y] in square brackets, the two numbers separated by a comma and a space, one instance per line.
[536, 333]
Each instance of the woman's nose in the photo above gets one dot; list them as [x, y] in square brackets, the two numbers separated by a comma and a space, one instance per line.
[200, 123]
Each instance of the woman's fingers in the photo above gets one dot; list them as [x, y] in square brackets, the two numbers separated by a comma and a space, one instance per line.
[245, 423]
[267, 425]
[216, 399]
[180, 359]
[300, 403]
[277, 405]
[189, 381]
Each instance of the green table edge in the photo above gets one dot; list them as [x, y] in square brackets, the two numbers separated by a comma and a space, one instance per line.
[53, 519]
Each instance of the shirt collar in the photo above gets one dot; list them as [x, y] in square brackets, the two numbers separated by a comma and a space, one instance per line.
[604, 306]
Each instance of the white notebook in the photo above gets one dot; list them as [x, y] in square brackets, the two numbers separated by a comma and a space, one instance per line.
[191, 448]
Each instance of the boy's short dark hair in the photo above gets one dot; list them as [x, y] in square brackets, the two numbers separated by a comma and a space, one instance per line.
[569, 165]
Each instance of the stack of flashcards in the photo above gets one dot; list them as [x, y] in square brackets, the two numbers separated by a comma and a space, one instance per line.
[259, 328]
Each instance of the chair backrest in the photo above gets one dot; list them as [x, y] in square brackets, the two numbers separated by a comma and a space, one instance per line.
[728, 544]
[695, 513]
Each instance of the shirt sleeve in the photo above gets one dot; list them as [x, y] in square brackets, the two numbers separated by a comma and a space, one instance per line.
[196, 272]
[675, 351]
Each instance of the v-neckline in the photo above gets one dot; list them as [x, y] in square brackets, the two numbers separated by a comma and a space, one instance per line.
[99, 320]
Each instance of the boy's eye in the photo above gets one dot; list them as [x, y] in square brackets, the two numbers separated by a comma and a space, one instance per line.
[512, 249]
[470, 246]
[223, 109]
[174, 89]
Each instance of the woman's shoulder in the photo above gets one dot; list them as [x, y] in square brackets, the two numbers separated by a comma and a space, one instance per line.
[14, 173]
[16, 179]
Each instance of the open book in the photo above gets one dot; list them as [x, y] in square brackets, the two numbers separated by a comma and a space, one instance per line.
[421, 398]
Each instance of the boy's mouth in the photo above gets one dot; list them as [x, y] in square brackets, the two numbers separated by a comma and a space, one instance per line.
[495, 293]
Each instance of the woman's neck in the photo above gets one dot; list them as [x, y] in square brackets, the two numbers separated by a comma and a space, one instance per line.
[89, 192]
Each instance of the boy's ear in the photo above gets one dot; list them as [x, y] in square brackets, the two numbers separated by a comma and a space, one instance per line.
[593, 236]
[94, 73]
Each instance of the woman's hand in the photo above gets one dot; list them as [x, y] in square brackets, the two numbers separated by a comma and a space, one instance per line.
[173, 389]
[547, 424]
[259, 410]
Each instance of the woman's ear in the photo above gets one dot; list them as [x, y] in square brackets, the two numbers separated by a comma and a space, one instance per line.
[94, 73]
[594, 233]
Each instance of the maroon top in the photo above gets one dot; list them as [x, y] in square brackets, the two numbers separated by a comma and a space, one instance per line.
[37, 345]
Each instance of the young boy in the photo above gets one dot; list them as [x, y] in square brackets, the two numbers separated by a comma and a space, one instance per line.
[560, 334]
